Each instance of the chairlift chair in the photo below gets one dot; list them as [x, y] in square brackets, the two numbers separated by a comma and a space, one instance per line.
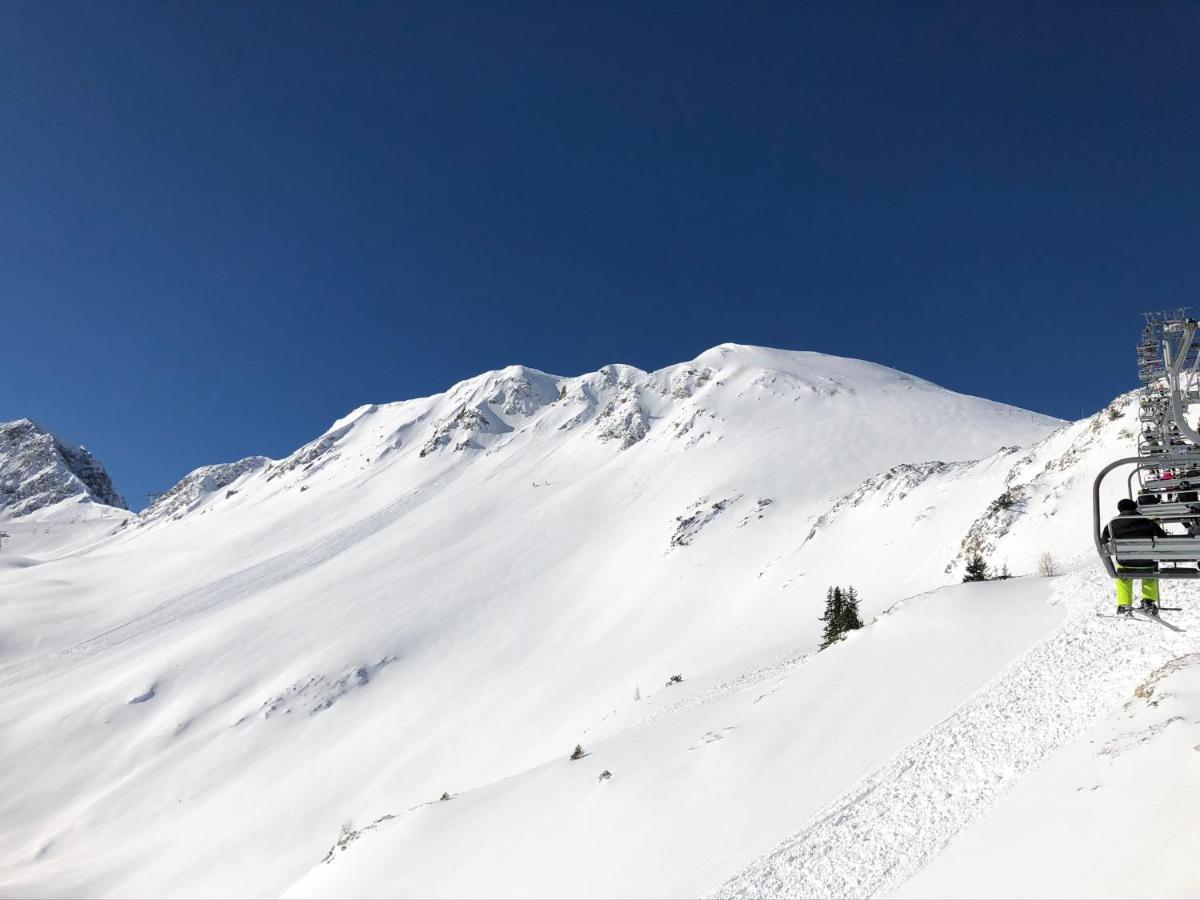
[1168, 357]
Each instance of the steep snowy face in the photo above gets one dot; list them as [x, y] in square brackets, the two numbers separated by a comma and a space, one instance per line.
[1020, 509]
[38, 469]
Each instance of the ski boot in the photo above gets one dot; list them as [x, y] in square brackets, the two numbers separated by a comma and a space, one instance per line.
[1150, 607]
[1125, 611]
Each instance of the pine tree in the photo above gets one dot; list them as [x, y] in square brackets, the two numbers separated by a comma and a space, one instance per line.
[841, 614]
[834, 612]
[850, 620]
[977, 568]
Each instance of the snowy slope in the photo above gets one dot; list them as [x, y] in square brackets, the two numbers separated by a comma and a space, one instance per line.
[885, 828]
[441, 593]
[712, 774]
[1112, 815]
[984, 683]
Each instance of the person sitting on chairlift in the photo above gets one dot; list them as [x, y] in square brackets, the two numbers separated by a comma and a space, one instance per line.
[1129, 523]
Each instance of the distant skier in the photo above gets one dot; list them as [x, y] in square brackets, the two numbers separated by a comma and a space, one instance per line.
[1129, 523]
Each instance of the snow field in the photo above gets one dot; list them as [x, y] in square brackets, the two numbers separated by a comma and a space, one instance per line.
[708, 780]
[887, 827]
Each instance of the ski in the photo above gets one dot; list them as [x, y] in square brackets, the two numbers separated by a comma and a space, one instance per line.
[1101, 615]
[1146, 617]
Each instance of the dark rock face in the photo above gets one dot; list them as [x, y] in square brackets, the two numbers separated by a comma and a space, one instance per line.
[38, 469]
[87, 469]
[203, 481]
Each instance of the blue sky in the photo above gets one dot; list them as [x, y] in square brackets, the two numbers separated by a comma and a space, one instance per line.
[224, 225]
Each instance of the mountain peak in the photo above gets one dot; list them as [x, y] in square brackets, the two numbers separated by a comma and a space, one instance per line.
[39, 469]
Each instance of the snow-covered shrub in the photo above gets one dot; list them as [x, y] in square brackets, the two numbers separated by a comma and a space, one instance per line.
[1005, 501]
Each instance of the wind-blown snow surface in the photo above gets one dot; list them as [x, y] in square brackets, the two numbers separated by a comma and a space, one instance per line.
[439, 594]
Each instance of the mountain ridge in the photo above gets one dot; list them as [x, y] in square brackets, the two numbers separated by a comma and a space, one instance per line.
[618, 404]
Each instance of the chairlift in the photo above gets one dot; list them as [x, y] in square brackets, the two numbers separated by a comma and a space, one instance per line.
[1168, 357]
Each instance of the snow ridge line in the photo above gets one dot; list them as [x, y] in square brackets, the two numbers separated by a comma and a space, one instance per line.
[890, 824]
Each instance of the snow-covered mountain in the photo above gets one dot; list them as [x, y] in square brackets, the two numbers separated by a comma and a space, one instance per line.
[447, 594]
[55, 497]
[39, 469]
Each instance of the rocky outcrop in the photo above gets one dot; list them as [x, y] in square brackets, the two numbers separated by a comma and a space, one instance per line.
[197, 485]
[39, 469]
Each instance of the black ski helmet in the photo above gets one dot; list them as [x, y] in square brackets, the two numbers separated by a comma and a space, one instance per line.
[1126, 505]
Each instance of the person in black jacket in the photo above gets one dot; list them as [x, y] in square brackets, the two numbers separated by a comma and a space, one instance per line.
[1129, 523]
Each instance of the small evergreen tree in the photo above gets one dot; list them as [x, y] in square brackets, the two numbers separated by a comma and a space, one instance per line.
[834, 603]
[578, 752]
[841, 614]
[1004, 573]
[850, 618]
[977, 568]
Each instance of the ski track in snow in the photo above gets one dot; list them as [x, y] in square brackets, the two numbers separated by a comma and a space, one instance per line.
[889, 825]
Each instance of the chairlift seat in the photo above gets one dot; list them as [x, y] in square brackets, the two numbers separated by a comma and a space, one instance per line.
[1168, 549]
[1169, 510]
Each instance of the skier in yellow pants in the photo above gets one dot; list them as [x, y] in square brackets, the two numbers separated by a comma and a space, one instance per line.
[1129, 523]
[1125, 590]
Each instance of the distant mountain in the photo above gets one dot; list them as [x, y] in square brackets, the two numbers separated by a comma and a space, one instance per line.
[39, 469]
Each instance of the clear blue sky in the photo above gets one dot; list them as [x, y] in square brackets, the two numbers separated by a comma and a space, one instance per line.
[223, 225]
